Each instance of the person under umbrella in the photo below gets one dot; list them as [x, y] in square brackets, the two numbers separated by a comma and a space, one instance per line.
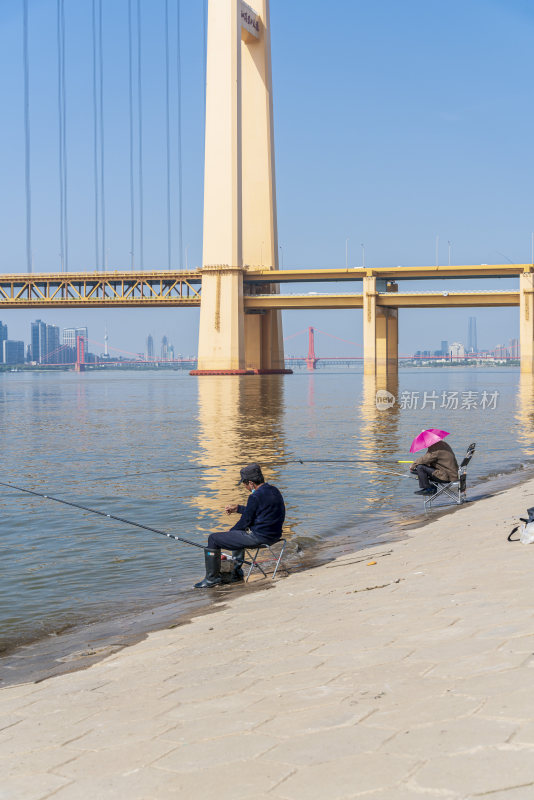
[438, 463]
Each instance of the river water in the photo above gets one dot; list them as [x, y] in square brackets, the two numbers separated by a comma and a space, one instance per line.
[87, 437]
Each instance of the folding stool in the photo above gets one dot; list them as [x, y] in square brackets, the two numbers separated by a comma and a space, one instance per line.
[275, 559]
[456, 490]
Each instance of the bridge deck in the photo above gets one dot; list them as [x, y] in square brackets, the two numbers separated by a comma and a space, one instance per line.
[390, 299]
[386, 273]
[180, 288]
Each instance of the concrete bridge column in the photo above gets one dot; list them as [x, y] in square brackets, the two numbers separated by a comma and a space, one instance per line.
[526, 322]
[380, 331]
[221, 341]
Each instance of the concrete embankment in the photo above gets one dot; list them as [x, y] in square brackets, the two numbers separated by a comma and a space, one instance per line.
[410, 677]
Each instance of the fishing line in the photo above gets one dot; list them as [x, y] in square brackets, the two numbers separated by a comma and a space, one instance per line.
[103, 514]
[239, 464]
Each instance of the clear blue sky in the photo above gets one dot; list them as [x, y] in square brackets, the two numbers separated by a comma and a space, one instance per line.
[395, 123]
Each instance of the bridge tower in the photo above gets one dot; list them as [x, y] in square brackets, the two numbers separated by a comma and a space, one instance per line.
[240, 228]
[311, 361]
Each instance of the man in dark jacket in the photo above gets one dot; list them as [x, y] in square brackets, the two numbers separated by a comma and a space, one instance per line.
[260, 523]
[438, 464]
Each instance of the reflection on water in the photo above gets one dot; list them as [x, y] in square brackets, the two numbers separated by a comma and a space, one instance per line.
[238, 422]
[525, 411]
[92, 438]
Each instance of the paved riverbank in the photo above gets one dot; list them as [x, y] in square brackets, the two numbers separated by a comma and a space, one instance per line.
[411, 677]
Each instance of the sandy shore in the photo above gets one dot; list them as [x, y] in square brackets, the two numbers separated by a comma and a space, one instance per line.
[408, 678]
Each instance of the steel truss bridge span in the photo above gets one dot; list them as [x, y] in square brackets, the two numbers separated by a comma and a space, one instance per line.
[96, 289]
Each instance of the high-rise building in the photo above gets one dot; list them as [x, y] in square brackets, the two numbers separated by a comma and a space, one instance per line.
[38, 341]
[70, 338]
[456, 350]
[472, 344]
[52, 344]
[12, 352]
[149, 355]
[514, 348]
[501, 351]
[444, 348]
[164, 349]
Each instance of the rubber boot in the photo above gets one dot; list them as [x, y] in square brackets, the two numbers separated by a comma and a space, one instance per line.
[237, 572]
[213, 570]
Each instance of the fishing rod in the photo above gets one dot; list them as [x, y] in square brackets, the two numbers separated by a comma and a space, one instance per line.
[103, 514]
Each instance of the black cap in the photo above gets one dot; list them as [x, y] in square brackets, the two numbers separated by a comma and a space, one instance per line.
[252, 472]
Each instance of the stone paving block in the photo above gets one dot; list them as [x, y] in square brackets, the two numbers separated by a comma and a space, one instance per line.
[36, 761]
[313, 720]
[245, 779]
[327, 745]
[108, 760]
[524, 733]
[196, 756]
[346, 777]
[59, 711]
[487, 663]
[490, 684]
[486, 770]
[448, 737]
[310, 697]
[117, 732]
[224, 687]
[29, 786]
[138, 784]
[447, 707]
[27, 737]
[9, 722]
[213, 726]
[518, 705]
[196, 674]
[14, 704]
[232, 703]
[283, 666]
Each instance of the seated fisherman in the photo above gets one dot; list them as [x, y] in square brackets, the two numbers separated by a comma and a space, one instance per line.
[260, 523]
[439, 464]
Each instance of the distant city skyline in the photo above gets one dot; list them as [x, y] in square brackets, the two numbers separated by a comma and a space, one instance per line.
[49, 338]
[47, 343]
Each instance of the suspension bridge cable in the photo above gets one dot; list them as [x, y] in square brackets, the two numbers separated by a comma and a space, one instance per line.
[62, 119]
[95, 138]
[130, 98]
[179, 110]
[140, 134]
[204, 47]
[168, 136]
[26, 67]
[101, 105]
[65, 164]
[60, 140]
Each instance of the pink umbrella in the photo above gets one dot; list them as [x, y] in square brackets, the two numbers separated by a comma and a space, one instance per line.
[426, 438]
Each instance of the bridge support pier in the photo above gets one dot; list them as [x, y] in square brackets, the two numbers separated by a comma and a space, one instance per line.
[526, 322]
[380, 332]
[239, 192]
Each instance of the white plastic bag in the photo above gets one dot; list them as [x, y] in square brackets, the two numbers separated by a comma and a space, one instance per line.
[527, 533]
